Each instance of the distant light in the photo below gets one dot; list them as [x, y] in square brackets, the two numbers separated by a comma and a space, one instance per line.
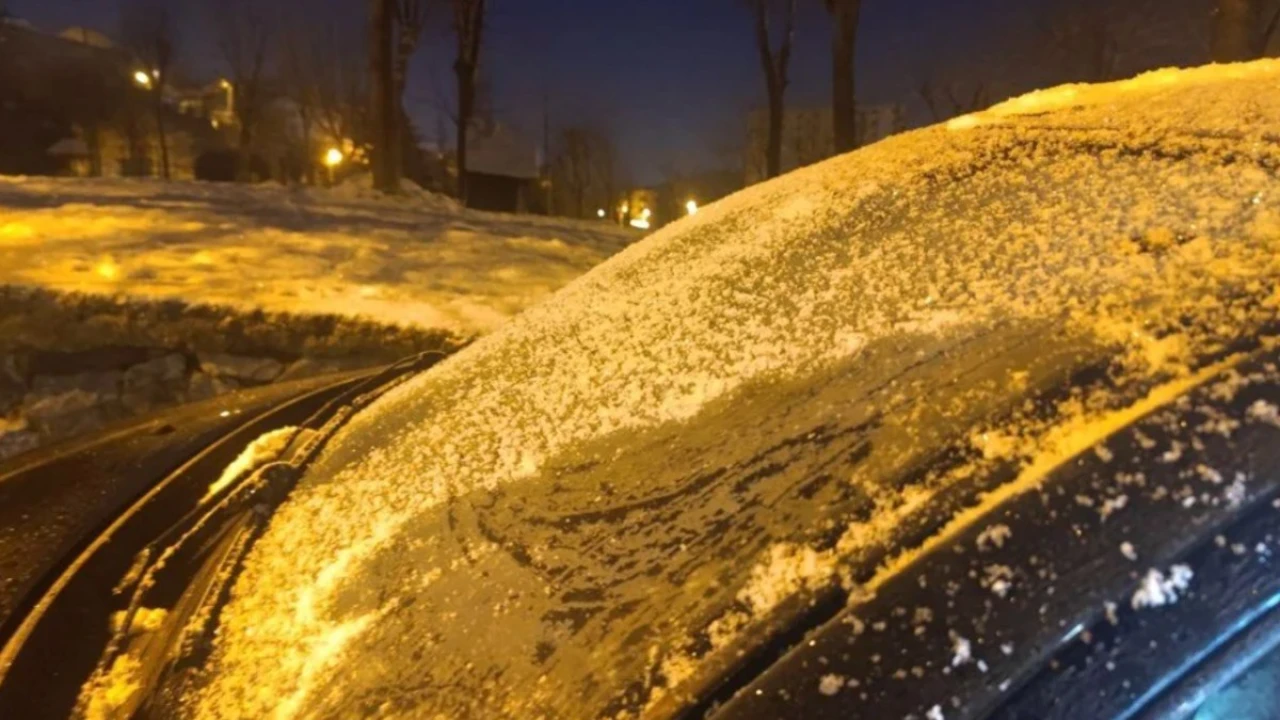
[691, 207]
[107, 269]
[224, 83]
[155, 73]
[623, 208]
[142, 78]
[333, 157]
[645, 213]
[213, 122]
[640, 223]
[600, 213]
[225, 413]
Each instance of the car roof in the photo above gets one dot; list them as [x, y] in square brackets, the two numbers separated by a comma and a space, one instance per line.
[1087, 595]
[594, 502]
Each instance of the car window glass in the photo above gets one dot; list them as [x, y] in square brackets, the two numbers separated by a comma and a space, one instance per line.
[1254, 695]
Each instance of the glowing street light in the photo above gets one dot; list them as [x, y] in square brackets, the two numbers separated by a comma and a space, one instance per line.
[691, 207]
[645, 213]
[600, 213]
[142, 78]
[332, 158]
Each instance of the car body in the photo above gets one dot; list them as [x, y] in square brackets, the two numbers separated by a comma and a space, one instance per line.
[979, 421]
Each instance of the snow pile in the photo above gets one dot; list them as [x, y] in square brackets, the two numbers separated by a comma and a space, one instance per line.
[416, 260]
[257, 453]
[769, 308]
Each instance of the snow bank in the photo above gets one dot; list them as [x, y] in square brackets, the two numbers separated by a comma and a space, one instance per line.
[72, 363]
[415, 260]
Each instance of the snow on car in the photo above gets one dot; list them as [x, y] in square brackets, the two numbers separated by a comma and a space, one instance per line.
[598, 509]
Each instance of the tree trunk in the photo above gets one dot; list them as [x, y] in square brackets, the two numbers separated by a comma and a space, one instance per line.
[386, 122]
[844, 110]
[1233, 23]
[775, 79]
[773, 147]
[406, 44]
[244, 173]
[466, 106]
[469, 25]
[308, 152]
[160, 133]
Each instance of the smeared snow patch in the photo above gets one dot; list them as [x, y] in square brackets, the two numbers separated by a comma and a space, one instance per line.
[935, 713]
[263, 449]
[1157, 590]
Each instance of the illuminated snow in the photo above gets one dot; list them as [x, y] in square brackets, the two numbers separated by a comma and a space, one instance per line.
[258, 452]
[1157, 589]
[416, 261]
[897, 243]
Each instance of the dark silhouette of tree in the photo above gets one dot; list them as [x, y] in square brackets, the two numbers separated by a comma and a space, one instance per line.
[775, 63]
[410, 19]
[1243, 29]
[244, 31]
[584, 171]
[844, 44]
[468, 28]
[386, 114]
[148, 31]
[948, 99]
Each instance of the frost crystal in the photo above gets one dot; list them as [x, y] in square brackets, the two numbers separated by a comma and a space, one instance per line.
[830, 684]
[962, 650]
[1264, 412]
[1126, 549]
[1157, 590]
[994, 535]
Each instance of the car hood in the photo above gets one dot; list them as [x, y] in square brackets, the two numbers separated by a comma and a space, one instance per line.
[593, 510]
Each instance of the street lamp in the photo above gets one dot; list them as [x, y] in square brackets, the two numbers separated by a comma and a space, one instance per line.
[691, 207]
[600, 213]
[332, 158]
[142, 79]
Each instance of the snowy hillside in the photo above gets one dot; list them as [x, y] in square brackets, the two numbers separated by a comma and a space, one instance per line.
[418, 260]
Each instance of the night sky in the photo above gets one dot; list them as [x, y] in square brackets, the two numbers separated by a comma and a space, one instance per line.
[672, 79]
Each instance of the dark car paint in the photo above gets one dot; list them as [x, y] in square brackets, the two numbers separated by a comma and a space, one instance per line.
[1068, 660]
[68, 628]
[53, 500]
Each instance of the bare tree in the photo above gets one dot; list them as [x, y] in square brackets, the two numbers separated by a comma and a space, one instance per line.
[409, 18]
[1243, 29]
[244, 31]
[147, 29]
[468, 27]
[584, 170]
[298, 73]
[947, 99]
[844, 44]
[1098, 40]
[775, 63]
[385, 107]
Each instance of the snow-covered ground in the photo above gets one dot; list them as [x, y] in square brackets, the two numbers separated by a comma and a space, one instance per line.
[417, 260]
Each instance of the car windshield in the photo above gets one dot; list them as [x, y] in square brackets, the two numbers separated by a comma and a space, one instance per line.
[595, 510]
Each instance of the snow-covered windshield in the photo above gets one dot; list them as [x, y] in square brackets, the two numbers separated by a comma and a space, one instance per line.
[593, 510]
